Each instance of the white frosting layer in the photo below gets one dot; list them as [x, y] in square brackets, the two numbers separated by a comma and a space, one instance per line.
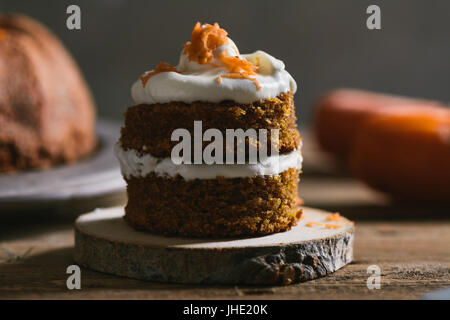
[197, 82]
[134, 164]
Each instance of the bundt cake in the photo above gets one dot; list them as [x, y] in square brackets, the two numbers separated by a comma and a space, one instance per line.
[47, 115]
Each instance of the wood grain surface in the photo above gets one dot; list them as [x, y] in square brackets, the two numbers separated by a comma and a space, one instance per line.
[409, 242]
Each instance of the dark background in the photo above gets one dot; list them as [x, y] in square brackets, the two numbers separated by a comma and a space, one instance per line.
[324, 44]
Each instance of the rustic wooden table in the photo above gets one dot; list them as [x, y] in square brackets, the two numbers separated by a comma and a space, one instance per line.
[410, 243]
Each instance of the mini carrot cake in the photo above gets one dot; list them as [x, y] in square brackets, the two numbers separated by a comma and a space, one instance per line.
[213, 89]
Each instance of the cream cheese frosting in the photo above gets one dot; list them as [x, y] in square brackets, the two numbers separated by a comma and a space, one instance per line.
[134, 164]
[193, 81]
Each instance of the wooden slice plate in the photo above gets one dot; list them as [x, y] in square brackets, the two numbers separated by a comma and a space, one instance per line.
[106, 243]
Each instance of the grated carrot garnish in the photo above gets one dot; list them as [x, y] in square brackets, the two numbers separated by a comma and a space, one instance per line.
[161, 67]
[239, 76]
[314, 224]
[334, 217]
[205, 39]
[239, 69]
[332, 226]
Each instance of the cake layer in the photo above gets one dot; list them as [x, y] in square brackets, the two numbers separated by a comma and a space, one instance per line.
[140, 165]
[213, 207]
[152, 125]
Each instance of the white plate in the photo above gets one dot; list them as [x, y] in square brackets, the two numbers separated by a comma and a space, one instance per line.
[94, 177]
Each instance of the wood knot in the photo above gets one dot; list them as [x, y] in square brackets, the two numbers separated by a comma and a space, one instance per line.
[287, 275]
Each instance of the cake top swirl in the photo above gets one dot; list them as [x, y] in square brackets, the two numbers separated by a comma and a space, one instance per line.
[212, 69]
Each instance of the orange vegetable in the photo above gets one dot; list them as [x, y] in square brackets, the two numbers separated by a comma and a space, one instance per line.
[342, 113]
[406, 155]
